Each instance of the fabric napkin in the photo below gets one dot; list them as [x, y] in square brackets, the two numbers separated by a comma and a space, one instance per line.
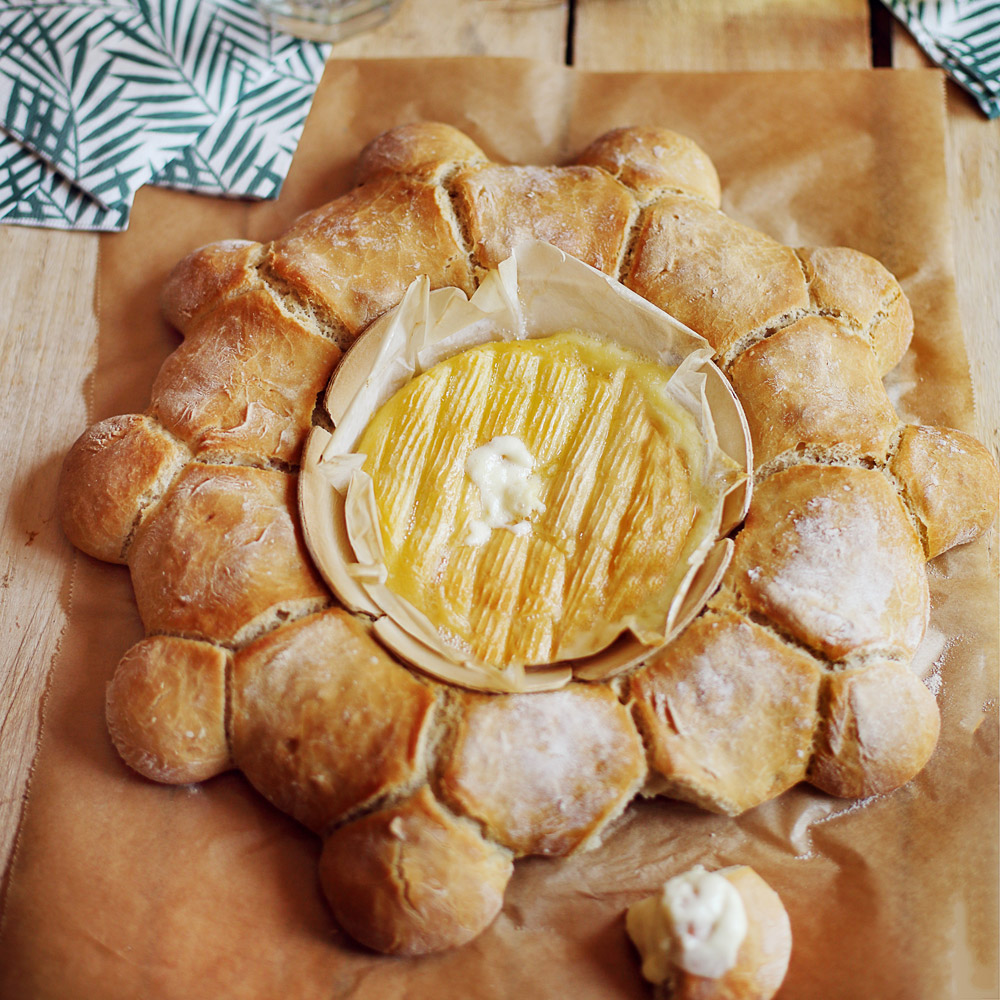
[963, 38]
[99, 97]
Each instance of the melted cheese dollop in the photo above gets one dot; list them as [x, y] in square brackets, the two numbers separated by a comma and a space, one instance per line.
[696, 923]
[508, 492]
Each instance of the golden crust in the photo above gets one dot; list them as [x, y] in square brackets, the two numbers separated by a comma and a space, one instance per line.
[412, 879]
[426, 151]
[323, 721]
[762, 959]
[578, 209]
[545, 772]
[728, 712]
[830, 556]
[354, 258]
[655, 161]
[111, 475]
[245, 381]
[220, 553]
[858, 289]
[166, 709]
[813, 387]
[207, 276]
[880, 726]
[723, 279]
[949, 480]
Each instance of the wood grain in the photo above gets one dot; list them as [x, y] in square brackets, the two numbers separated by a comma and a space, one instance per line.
[49, 339]
[467, 28]
[721, 34]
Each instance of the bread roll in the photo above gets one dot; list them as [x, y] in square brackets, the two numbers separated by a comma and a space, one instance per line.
[830, 556]
[813, 390]
[413, 879]
[166, 709]
[543, 773]
[694, 924]
[244, 383]
[324, 722]
[880, 725]
[208, 276]
[728, 712]
[223, 559]
[114, 472]
[949, 480]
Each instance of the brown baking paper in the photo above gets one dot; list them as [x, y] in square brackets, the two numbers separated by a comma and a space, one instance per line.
[124, 889]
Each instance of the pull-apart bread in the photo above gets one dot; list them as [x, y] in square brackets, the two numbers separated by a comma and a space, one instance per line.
[424, 792]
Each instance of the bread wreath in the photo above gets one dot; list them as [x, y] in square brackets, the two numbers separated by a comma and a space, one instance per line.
[799, 668]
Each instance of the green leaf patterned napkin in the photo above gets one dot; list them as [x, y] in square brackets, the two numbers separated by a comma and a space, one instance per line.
[99, 97]
[963, 38]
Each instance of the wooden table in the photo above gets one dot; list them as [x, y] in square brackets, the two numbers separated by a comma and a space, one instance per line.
[47, 283]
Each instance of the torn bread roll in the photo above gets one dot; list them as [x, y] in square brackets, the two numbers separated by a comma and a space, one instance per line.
[720, 935]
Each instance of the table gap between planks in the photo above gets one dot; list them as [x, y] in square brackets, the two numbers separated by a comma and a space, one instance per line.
[48, 282]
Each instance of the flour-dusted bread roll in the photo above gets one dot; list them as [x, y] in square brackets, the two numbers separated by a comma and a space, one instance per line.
[813, 389]
[413, 878]
[949, 481]
[721, 935]
[424, 792]
[544, 774]
[652, 162]
[829, 554]
[166, 709]
[879, 728]
[728, 712]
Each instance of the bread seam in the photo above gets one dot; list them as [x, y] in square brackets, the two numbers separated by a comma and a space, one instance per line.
[156, 498]
[303, 309]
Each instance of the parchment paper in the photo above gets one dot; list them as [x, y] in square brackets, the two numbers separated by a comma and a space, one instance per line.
[121, 888]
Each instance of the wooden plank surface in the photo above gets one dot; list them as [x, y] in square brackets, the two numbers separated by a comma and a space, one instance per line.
[721, 34]
[48, 341]
[47, 283]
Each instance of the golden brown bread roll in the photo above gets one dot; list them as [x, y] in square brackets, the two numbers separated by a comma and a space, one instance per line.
[652, 161]
[426, 151]
[578, 209]
[323, 721]
[223, 558]
[724, 280]
[115, 470]
[860, 292]
[728, 712]
[812, 390]
[879, 728]
[166, 709]
[208, 276]
[245, 380]
[949, 481]
[353, 259]
[821, 610]
[413, 879]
